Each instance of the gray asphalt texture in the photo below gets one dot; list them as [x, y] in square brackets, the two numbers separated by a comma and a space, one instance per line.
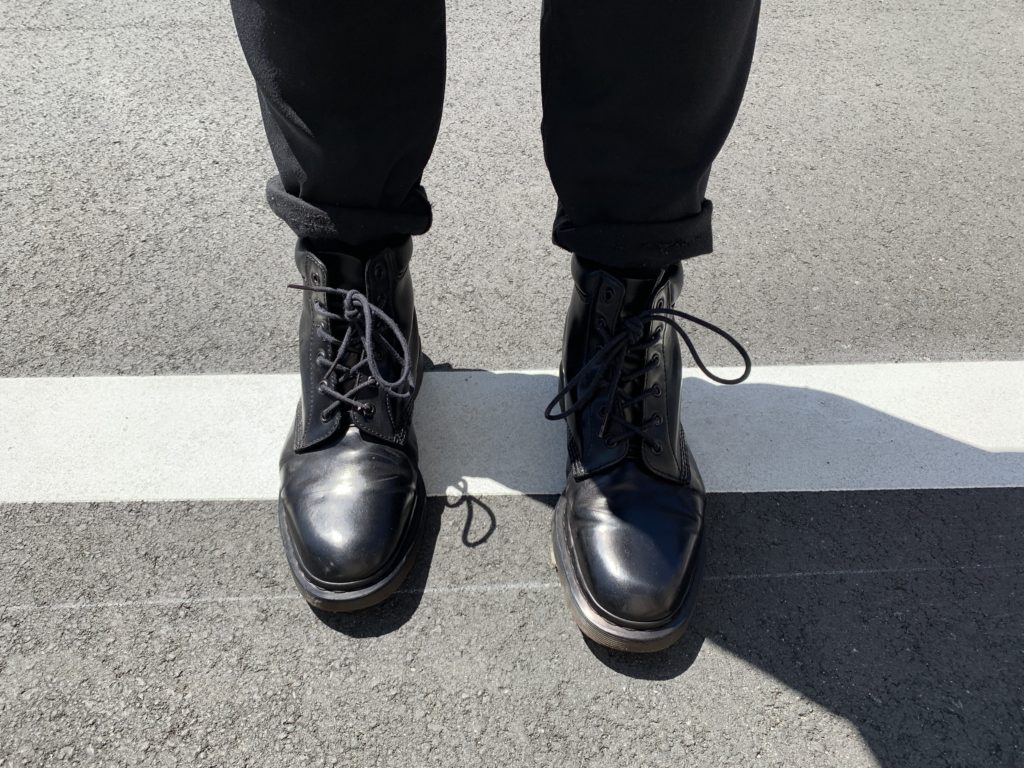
[869, 206]
[834, 629]
[869, 202]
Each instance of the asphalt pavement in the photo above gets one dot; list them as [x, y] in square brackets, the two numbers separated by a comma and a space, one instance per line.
[869, 208]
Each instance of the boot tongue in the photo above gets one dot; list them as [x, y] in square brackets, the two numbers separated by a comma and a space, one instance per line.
[348, 272]
[638, 293]
[638, 296]
[344, 271]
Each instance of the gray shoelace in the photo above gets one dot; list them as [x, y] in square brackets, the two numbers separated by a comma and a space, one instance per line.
[361, 321]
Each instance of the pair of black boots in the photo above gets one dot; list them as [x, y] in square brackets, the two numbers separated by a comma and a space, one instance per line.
[627, 532]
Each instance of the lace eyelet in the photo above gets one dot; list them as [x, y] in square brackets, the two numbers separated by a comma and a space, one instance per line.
[368, 411]
[655, 359]
[314, 278]
[656, 389]
[324, 417]
[609, 294]
[660, 304]
[601, 322]
[602, 411]
[658, 419]
[657, 449]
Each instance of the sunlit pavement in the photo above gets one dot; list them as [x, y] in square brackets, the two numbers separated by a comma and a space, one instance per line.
[869, 208]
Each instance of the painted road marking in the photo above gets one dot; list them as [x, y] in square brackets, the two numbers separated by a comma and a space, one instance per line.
[788, 428]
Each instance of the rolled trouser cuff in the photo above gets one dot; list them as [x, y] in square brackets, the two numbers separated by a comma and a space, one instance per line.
[652, 245]
[353, 226]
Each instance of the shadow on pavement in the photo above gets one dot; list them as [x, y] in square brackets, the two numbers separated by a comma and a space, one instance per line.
[472, 504]
[896, 610]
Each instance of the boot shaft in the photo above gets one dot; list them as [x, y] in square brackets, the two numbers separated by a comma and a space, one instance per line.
[384, 280]
[600, 312]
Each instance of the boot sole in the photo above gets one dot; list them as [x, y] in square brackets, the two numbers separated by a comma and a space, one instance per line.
[346, 601]
[594, 624]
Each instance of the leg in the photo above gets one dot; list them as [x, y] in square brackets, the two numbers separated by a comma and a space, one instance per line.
[638, 100]
[351, 95]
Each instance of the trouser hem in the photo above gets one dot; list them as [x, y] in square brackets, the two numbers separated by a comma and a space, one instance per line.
[652, 245]
[351, 226]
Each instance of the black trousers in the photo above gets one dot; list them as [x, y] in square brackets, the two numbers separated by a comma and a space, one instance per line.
[638, 96]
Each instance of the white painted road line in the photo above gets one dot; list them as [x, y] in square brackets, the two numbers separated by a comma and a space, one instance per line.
[790, 428]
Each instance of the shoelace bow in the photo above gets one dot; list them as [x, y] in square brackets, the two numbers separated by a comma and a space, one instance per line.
[361, 335]
[614, 350]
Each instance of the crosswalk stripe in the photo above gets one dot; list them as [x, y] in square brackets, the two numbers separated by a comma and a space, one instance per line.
[789, 428]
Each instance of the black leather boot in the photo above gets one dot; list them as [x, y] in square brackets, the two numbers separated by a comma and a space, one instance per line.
[351, 504]
[628, 531]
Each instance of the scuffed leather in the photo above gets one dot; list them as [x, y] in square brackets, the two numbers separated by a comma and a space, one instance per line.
[634, 515]
[348, 505]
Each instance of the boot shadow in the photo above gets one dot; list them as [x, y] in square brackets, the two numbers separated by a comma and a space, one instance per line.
[893, 609]
[661, 665]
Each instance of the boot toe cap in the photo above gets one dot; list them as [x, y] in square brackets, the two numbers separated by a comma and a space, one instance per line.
[634, 547]
[347, 523]
[634, 592]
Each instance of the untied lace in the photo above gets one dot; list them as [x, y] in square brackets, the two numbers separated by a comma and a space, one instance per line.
[359, 335]
[614, 351]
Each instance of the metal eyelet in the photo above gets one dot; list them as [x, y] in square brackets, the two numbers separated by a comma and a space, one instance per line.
[314, 278]
[660, 304]
[655, 359]
[658, 419]
[656, 389]
[368, 411]
[609, 294]
[324, 417]
[657, 449]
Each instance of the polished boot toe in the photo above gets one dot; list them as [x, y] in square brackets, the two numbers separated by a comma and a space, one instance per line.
[634, 541]
[348, 509]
